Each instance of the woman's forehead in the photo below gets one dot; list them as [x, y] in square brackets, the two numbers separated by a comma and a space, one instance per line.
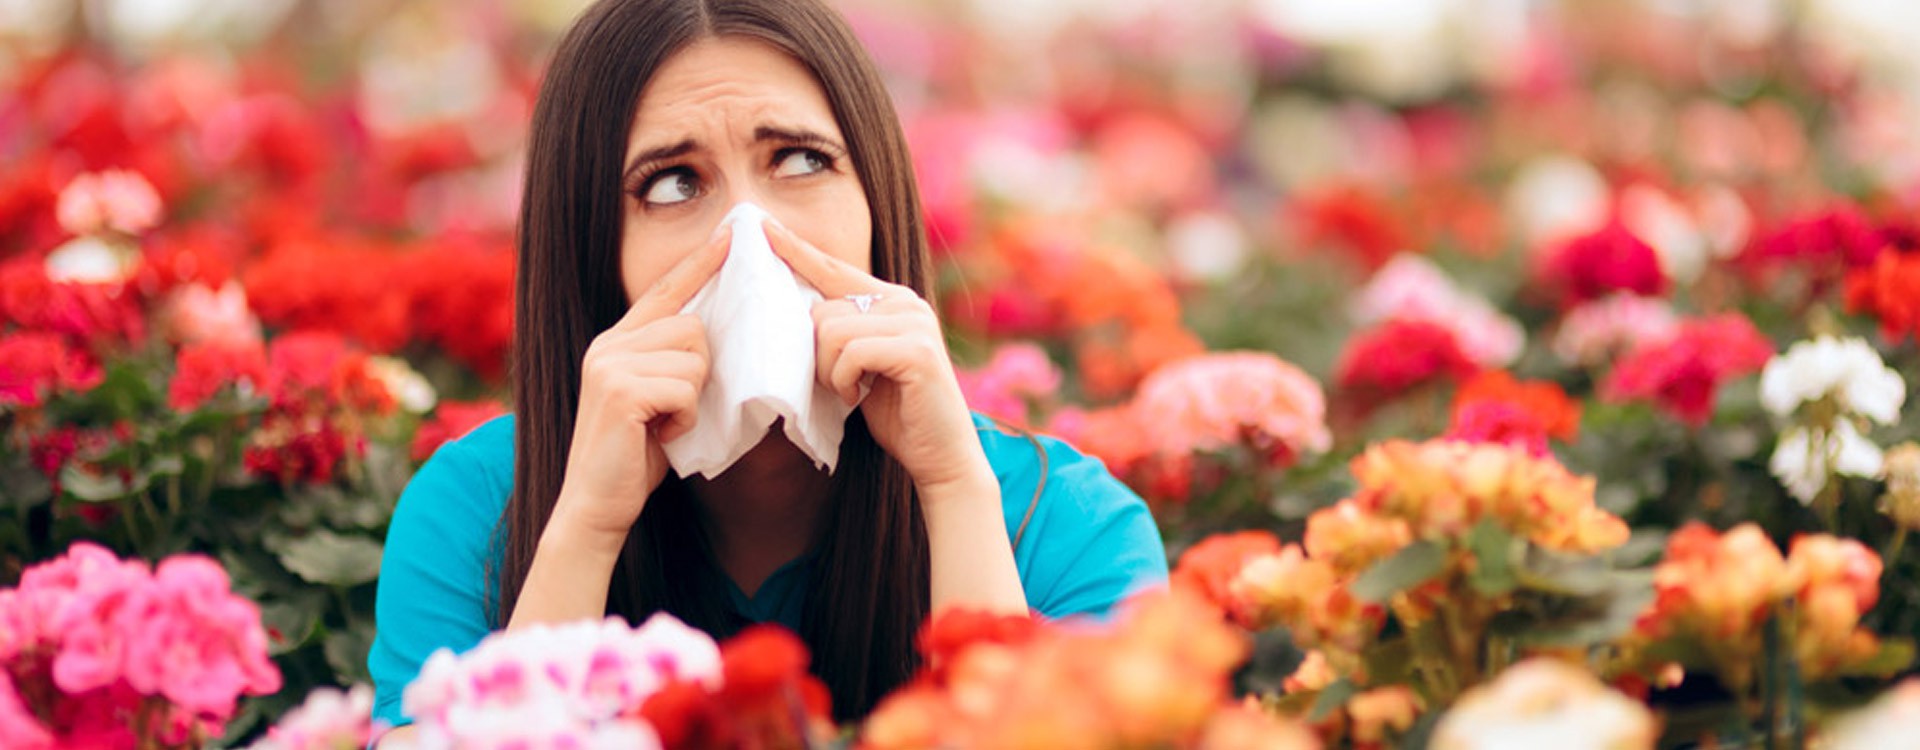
[732, 82]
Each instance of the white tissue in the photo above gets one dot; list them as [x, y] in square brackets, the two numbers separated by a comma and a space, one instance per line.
[759, 319]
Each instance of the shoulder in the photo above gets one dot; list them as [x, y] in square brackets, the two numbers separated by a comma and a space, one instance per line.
[475, 466]
[1083, 539]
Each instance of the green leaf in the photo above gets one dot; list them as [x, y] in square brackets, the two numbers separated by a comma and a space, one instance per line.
[291, 623]
[1331, 699]
[1411, 566]
[1567, 575]
[1493, 552]
[1420, 734]
[347, 653]
[1894, 656]
[94, 488]
[328, 558]
[1596, 620]
[1390, 661]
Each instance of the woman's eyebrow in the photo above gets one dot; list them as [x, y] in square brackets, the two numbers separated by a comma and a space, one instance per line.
[792, 135]
[658, 154]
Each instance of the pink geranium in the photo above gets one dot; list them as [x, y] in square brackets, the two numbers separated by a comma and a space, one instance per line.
[113, 647]
[198, 313]
[1016, 376]
[1400, 355]
[117, 200]
[1596, 331]
[1683, 372]
[1410, 287]
[1213, 401]
[328, 720]
[19, 729]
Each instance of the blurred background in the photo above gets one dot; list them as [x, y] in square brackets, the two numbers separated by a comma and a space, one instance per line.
[298, 283]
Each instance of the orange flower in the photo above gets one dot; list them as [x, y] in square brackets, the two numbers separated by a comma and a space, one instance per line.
[1352, 539]
[1547, 410]
[1247, 728]
[1718, 584]
[1889, 290]
[1381, 714]
[1834, 582]
[1209, 567]
[1443, 487]
[1307, 597]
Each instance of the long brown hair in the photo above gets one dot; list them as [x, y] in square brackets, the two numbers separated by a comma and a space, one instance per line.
[868, 591]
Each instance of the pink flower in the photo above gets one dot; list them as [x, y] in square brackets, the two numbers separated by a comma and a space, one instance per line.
[1609, 259]
[1411, 287]
[19, 729]
[192, 641]
[196, 313]
[1016, 376]
[328, 719]
[1683, 372]
[1596, 331]
[1213, 401]
[35, 366]
[117, 199]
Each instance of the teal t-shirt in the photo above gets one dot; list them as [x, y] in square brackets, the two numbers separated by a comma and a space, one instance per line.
[1088, 543]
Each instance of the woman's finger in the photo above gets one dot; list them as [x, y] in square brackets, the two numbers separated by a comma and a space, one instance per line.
[889, 357]
[832, 276]
[678, 332]
[833, 333]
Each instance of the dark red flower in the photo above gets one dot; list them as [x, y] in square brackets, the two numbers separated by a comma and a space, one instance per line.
[1837, 237]
[85, 313]
[452, 419]
[1607, 260]
[298, 447]
[1683, 373]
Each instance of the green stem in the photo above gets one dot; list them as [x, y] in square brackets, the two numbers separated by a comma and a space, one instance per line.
[1895, 547]
[346, 605]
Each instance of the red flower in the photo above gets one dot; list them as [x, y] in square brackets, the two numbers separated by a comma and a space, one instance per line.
[298, 285]
[953, 630]
[1889, 289]
[1354, 219]
[1683, 373]
[1606, 260]
[462, 301]
[1493, 407]
[296, 447]
[765, 695]
[1400, 355]
[318, 369]
[1209, 567]
[201, 370]
[1839, 236]
[35, 365]
[83, 312]
[452, 419]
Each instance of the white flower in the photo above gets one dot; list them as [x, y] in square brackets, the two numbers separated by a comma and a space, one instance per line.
[1545, 703]
[327, 719]
[1848, 369]
[91, 259]
[1805, 458]
[1885, 724]
[408, 387]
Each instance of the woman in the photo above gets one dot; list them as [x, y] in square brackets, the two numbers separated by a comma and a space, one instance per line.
[655, 118]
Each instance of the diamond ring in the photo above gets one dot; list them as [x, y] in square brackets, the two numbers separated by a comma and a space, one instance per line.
[863, 301]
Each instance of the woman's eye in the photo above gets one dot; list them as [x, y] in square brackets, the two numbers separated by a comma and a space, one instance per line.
[800, 161]
[672, 187]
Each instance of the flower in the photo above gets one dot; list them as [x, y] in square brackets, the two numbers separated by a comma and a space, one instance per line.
[1607, 260]
[1807, 457]
[1352, 218]
[1382, 713]
[92, 260]
[92, 313]
[1595, 331]
[328, 719]
[1901, 469]
[1411, 287]
[196, 313]
[111, 638]
[1444, 487]
[1353, 539]
[1683, 372]
[295, 286]
[765, 698]
[452, 420]
[545, 683]
[1838, 237]
[1888, 289]
[1719, 585]
[1543, 702]
[1833, 582]
[1400, 355]
[1308, 597]
[1016, 376]
[1849, 370]
[1494, 407]
[405, 385]
[35, 366]
[1246, 728]
[201, 370]
[1885, 723]
[1216, 400]
[117, 199]
[1209, 567]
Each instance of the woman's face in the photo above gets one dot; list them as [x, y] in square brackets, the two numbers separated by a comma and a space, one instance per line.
[732, 119]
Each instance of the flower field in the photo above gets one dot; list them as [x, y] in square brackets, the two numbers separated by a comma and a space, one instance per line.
[1501, 373]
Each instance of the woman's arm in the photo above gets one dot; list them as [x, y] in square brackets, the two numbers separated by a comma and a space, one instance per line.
[571, 570]
[971, 557]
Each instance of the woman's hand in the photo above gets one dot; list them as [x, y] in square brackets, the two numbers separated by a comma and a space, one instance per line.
[915, 409]
[640, 384]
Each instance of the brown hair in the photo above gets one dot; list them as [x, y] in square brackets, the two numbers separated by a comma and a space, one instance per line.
[869, 586]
